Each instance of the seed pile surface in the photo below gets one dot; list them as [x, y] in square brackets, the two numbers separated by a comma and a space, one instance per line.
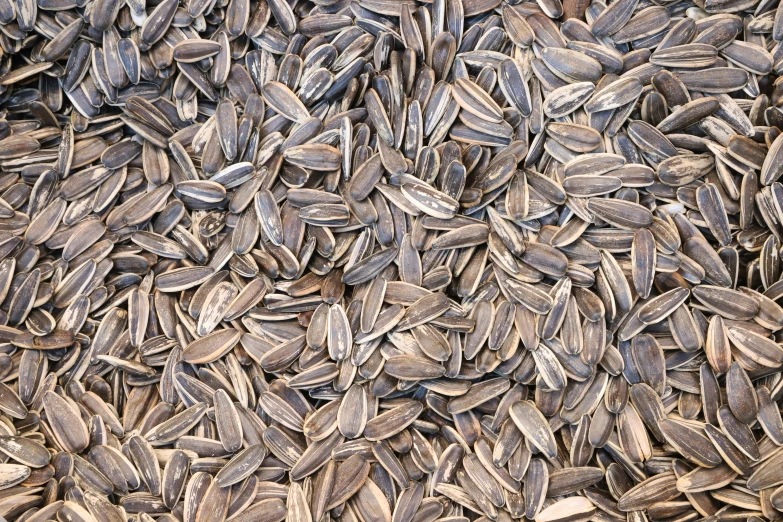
[391, 260]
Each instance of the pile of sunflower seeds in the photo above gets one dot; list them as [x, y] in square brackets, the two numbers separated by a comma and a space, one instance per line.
[391, 260]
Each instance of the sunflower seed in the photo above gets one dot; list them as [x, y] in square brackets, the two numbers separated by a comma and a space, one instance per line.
[397, 240]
